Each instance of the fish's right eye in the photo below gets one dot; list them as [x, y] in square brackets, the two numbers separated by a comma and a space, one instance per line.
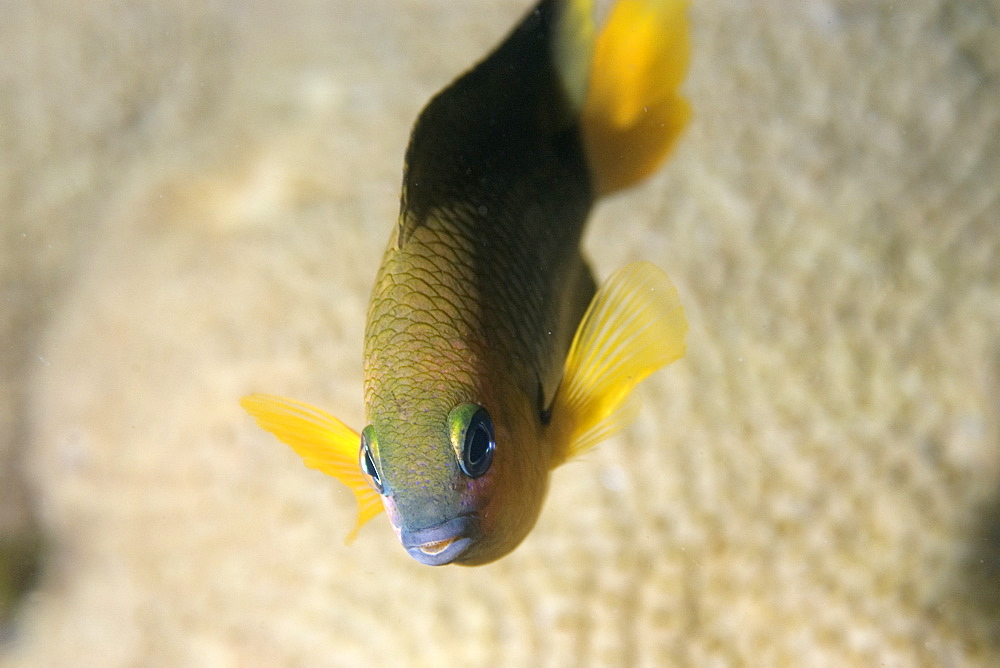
[368, 462]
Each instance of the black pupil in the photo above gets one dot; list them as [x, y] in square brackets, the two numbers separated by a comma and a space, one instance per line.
[479, 444]
[368, 465]
[477, 455]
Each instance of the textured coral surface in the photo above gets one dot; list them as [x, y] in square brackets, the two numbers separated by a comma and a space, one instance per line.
[195, 197]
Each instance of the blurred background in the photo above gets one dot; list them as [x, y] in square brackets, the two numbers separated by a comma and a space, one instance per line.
[194, 198]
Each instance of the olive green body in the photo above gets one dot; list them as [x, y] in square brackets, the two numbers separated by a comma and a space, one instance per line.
[480, 291]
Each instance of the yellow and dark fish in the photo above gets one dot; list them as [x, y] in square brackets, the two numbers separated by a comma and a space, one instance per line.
[490, 358]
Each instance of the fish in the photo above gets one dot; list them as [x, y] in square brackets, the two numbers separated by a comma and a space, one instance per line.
[491, 356]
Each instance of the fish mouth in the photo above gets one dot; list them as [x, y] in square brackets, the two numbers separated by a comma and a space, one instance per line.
[443, 543]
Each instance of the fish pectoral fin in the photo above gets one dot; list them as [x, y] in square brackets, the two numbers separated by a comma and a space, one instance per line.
[324, 443]
[635, 325]
[633, 112]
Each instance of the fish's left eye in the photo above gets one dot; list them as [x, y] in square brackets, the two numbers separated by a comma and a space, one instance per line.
[368, 462]
[473, 438]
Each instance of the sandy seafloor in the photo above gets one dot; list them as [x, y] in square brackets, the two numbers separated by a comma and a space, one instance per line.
[194, 200]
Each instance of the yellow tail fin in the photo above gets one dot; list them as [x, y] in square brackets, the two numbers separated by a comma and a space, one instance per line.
[323, 442]
[634, 325]
[633, 112]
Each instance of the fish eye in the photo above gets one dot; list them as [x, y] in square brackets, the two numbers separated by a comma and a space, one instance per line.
[473, 438]
[368, 462]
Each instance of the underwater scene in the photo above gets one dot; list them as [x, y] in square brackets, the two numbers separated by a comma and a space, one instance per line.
[204, 202]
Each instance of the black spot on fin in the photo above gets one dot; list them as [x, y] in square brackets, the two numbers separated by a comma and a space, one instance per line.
[544, 412]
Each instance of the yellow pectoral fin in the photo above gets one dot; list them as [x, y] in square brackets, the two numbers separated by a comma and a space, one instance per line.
[634, 325]
[324, 443]
[633, 112]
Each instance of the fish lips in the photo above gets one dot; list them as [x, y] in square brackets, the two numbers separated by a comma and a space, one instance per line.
[443, 543]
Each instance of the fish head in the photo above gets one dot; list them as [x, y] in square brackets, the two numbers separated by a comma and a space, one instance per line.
[451, 483]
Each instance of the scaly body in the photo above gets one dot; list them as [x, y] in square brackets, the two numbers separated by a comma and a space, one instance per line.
[471, 393]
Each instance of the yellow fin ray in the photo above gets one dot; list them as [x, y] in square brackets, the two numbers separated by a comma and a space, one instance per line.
[324, 443]
[633, 112]
[634, 326]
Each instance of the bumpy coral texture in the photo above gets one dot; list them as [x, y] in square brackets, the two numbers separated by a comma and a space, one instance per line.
[195, 201]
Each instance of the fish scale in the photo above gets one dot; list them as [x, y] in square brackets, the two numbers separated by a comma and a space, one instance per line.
[489, 358]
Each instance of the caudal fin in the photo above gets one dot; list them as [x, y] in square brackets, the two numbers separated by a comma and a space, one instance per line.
[634, 326]
[626, 80]
[324, 443]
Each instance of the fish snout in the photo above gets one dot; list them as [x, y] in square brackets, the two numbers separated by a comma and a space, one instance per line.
[443, 543]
